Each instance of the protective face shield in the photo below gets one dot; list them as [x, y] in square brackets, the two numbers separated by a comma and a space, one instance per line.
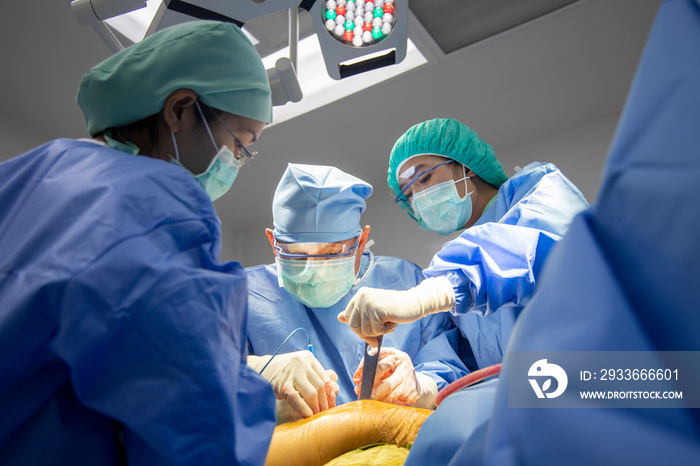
[317, 280]
[410, 174]
[440, 208]
[219, 176]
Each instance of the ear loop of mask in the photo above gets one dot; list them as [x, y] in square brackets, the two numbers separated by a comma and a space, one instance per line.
[211, 136]
[206, 125]
[177, 152]
[359, 279]
[232, 161]
[466, 188]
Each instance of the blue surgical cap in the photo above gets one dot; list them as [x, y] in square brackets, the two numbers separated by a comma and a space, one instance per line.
[214, 59]
[318, 204]
[449, 138]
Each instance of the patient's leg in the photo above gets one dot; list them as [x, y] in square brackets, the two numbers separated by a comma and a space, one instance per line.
[326, 435]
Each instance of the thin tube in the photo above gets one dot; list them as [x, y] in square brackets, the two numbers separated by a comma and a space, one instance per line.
[293, 35]
[309, 347]
[467, 380]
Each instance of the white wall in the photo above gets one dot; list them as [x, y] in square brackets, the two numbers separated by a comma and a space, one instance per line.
[17, 137]
[579, 152]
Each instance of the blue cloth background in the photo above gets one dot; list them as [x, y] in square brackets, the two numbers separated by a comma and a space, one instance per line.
[623, 279]
[494, 265]
[115, 315]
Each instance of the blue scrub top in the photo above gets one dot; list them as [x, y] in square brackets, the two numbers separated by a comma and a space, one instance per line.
[624, 278]
[493, 266]
[432, 343]
[116, 319]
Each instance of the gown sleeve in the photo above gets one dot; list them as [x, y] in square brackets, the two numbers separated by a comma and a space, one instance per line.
[153, 331]
[439, 356]
[496, 263]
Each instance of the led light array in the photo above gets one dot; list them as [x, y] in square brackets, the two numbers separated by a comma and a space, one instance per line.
[359, 22]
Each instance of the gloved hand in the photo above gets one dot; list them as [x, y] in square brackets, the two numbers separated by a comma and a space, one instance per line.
[300, 380]
[396, 381]
[373, 312]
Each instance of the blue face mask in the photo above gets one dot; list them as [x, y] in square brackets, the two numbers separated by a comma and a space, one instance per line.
[317, 283]
[439, 208]
[218, 178]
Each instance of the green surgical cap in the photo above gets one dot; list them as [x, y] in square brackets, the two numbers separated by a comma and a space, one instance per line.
[449, 138]
[214, 59]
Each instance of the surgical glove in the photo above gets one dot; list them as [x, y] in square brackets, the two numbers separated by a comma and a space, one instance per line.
[396, 381]
[373, 312]
[300, 380]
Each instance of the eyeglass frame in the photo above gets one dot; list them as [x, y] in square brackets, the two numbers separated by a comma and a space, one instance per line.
[417, 177]
[244, 155]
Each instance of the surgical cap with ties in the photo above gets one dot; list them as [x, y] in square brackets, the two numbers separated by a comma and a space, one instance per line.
[318, 204]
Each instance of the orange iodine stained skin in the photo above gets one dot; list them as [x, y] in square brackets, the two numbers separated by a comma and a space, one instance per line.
[331, 433]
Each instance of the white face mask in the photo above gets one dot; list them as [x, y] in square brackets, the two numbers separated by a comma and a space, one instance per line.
[218, 178]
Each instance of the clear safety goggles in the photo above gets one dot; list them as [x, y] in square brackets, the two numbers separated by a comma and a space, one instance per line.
[401, 199]
[306, 251]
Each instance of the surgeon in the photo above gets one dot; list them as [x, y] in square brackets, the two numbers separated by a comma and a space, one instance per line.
[623, 281]
[321, 262]
[448, 179]
[121, 334]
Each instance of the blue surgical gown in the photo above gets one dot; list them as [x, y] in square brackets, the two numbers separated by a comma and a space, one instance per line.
[121, 336]
[493, 266]
[273, 313]
[624, 278]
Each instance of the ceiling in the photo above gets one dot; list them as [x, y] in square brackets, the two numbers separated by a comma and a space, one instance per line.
[561, 70]
[452, 24]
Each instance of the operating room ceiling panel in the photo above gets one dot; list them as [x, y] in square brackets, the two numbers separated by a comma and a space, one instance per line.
[455, 24]
[273, 30]
[452, 24]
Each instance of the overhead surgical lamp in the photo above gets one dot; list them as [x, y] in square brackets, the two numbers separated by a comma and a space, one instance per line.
[283, 82]
[346, 51]
[360, 35]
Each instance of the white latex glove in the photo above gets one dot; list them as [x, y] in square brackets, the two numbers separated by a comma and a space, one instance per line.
[396, 381]
[373, 312]
[300, 380]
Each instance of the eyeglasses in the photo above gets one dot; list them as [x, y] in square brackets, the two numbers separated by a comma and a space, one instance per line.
[330, 250]
[402, 199]
[244, 156]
